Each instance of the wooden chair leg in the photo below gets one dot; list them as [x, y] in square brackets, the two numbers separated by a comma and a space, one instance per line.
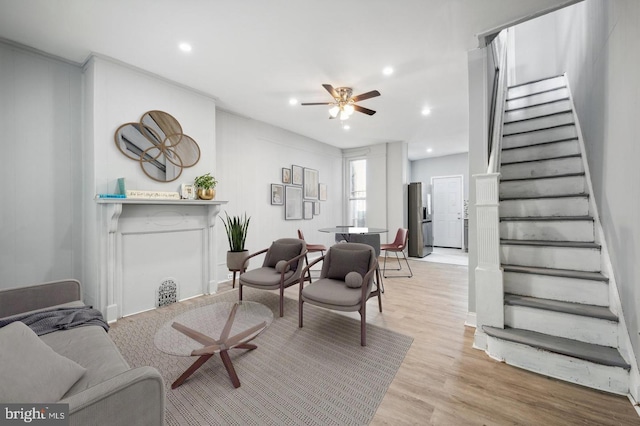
[363, 325]
[300, 302]
[239, 291]
[281, 301]
[233, 285]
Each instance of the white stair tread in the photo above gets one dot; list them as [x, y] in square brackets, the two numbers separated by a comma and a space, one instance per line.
[576, 244]
[586, 351]
[543, 177]
[592, 311]
[545, 218]
[539, 197]
[565, 273]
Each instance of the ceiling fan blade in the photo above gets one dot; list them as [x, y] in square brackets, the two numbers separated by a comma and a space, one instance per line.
[329, 88]
[364, 110]
[317, 103]
[368, 95]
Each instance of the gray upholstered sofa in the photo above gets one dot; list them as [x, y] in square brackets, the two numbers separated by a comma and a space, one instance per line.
[108, 391]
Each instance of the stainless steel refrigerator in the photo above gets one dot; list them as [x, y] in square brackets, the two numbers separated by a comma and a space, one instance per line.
[420, 231]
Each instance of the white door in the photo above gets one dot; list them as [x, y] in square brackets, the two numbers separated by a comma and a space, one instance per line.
[447, 211]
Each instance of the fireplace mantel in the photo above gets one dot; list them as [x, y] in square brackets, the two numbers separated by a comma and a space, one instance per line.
[134, 223]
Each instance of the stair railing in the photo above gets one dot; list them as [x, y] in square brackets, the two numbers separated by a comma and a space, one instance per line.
[488, 273]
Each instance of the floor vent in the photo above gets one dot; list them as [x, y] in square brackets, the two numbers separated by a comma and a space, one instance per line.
[167, 293]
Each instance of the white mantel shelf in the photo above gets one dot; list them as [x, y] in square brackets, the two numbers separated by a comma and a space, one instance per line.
[141, 218]
[169, 202]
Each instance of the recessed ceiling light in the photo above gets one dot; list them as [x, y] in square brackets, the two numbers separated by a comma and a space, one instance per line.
[346, 127]
[429, 150]
[387, 71]
[185, 47]
[426, 111]
[293, 101]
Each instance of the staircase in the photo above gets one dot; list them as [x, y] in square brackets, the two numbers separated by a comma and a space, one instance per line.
[556, 302]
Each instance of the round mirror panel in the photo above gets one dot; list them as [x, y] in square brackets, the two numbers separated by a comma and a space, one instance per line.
[158, 143]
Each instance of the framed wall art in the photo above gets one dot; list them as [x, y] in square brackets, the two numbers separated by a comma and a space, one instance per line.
[316, 208]
[286, 175]
[308, 210]
[187, 191]
[293, 202]
[322, 191]
[296, 175]
[310, 184]
[277, 194]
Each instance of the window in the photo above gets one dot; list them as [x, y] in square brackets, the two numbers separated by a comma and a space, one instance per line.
[357, 193]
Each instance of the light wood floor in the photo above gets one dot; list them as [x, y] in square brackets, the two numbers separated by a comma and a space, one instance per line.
[444, 381]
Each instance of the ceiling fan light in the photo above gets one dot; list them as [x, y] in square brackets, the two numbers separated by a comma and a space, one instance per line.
[344, 115]
[349, 109]
[333, 111]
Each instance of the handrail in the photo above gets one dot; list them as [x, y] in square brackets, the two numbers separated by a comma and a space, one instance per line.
[496, 134]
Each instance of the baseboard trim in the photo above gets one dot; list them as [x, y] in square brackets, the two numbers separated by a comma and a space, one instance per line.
[471, 320]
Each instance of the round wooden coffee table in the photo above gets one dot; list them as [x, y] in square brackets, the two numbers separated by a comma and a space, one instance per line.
[212, 329]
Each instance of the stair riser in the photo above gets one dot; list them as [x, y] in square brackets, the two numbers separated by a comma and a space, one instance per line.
[565, 230]
[574, 290]
[537, 123]
[536, 87]
[541, 168]
[537, 111]
[540, 152]
[569, 206]
[577, 259]
[543, 187]
[573, 370]
[538, 99]
[585, 329]
[538, 137]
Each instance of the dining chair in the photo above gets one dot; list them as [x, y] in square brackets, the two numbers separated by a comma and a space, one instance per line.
[397, 246]
[282, 267]
[345, 284]
[311, 248]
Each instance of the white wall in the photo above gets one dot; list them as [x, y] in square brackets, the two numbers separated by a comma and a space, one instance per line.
[397, 189]
[448, 165]
[40, 216]
[597, 43]
[250, 157]
[115, 94]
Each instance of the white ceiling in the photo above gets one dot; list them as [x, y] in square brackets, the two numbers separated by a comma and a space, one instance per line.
[254, 55]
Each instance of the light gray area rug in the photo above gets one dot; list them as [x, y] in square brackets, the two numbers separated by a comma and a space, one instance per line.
[317, 375]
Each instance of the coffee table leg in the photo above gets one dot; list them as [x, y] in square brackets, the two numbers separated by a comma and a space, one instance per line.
[226, 360]
[249, 346]
[191, 370]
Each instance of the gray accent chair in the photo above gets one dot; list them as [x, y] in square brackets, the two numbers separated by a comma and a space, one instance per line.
[331, 290]
[110, 392]
[291, 250]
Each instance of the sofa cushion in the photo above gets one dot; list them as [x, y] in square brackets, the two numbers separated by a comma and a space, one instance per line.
[92, 348]
[31, 371]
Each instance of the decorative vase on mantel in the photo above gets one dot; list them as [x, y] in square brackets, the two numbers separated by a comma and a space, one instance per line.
[206, 193]
[235, 259]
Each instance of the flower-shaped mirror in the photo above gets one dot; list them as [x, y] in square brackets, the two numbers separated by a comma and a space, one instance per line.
[158, 143]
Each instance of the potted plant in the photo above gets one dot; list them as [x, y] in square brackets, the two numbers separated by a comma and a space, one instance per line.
[236, 227]
[206, 186]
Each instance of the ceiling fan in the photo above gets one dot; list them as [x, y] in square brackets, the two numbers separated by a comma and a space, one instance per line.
[344, 103]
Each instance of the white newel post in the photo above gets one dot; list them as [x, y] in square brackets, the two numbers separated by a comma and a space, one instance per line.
[488, 273]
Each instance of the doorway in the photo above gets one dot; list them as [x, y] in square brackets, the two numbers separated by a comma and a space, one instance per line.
[447, 211]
